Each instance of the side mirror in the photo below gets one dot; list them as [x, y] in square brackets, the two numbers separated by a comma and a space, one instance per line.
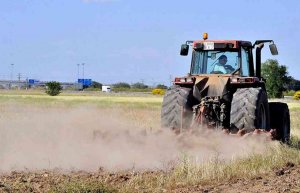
[273, 49]
[184, 50]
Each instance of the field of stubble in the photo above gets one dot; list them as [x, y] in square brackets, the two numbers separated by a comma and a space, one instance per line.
[93, 142]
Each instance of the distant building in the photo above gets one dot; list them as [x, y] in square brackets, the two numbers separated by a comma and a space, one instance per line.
[106, 89]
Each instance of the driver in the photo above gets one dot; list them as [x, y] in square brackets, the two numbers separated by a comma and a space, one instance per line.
[221, 67]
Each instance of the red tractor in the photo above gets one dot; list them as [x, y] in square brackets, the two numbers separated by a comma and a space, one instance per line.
[224, 90]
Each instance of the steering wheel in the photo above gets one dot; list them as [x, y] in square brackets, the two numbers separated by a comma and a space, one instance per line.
[216, 72]
[229, 68]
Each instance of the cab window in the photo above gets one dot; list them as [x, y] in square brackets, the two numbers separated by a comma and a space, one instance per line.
[214, 62]
[245, 62]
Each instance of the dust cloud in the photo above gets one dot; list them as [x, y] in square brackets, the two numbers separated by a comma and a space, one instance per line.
[88, 138]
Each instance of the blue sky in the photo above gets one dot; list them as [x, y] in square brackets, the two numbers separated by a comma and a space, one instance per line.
[134, 40]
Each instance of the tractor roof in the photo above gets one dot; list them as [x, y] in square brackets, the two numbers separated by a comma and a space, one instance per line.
[234, 43]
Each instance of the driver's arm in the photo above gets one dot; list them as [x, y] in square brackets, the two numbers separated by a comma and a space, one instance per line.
[220, 68]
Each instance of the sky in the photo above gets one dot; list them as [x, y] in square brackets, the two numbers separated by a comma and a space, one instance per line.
[134, 40]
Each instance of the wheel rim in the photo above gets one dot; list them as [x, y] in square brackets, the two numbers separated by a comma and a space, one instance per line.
[262, 119]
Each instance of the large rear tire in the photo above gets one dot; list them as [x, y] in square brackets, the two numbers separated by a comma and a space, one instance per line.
[280, 120]
[176, 112]
[250, 109]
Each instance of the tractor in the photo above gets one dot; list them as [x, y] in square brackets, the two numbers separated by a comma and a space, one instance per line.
[224, 90]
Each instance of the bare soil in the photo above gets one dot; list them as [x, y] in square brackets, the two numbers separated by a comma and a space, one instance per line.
[285, 179]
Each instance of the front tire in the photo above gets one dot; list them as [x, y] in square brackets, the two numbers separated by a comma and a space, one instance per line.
[250, 109]
[280, 120]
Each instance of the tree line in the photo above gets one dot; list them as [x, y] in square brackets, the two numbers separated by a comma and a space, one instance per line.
[54, 88]
[277, 79]
[124, 86]
[137, 85]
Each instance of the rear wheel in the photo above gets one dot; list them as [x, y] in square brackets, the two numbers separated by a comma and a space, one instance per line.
[280, 120]
[176, 110]
[250, 109]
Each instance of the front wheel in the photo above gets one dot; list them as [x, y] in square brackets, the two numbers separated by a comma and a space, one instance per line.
[280, 120]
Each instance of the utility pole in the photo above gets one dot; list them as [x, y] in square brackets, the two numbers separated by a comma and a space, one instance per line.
[12, 72]
[83, 75]
[11, 75]
[26, 83]
[19, 76]
[19, 79]
[83, 70]
[78, 71]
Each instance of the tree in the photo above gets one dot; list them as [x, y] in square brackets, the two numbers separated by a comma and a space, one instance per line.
[53, 88]
[96, 85]
[161, 86]
[276, 78]
[139, 85]
[294, 84]
[121, 85]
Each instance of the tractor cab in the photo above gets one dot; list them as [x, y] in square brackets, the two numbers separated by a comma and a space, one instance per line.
[227, 57]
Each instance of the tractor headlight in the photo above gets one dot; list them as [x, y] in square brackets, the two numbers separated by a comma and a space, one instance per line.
[182, 80]
[189, 79]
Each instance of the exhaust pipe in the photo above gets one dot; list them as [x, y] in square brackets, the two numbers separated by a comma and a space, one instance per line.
[258, 60]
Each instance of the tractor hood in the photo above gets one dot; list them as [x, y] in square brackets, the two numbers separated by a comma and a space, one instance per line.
[210, 85]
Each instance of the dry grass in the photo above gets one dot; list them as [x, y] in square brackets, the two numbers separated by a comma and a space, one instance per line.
[102, 100]
[215, 171]
[82, 187]
[144, 112]
[187, 173]
[295, 122]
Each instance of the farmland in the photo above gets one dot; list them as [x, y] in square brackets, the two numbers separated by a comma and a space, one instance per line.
[89, 142]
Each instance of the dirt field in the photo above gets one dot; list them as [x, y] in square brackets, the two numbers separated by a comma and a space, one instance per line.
[284, 179]
[100, 143]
